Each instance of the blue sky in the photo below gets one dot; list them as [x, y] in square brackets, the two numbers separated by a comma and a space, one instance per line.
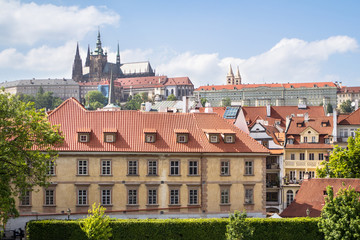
[270, 41]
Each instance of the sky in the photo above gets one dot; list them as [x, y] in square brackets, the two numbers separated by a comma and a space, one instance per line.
[270, 41]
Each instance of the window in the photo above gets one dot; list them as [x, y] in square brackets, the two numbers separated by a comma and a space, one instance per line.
[311, 174]
[214, 138]
[290, 141]
[82, 197]
[182, 137]
[193, 167]
[352, 132]
[132, 167]
[327, 140]
[49, 197]
[152, 167]
[152, 196]
[105, 197]
[193, 196]
[105, 167]
[229, 138]
[150, 138]
[224, 196]
[51, 171]
[174, 167]
[109, 137]
[321, 156]
[174, 196]
[292, 156]
[302, 156]
[292, 176]
[132, 196]
[289, 197]
[311, 156]
[313, 139]
[83, 137]
[225, 168]
[248, 167]
[83, 167]
[25, 198]
[249, 194]
[305, 139]
[301, 175]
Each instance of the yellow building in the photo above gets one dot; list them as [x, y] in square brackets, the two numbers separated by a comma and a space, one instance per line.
[152, 165]
[309, 141]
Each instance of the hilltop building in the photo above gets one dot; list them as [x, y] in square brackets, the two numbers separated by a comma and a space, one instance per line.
[348, 93]
[97, 66]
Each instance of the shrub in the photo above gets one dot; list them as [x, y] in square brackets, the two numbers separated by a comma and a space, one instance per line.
[238, 228]
[96, 225]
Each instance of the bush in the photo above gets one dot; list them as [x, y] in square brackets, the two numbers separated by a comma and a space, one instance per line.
[197, 229]
[96, 225]
[238, 228]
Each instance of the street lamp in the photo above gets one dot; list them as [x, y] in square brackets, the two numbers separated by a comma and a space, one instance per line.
[68, 213]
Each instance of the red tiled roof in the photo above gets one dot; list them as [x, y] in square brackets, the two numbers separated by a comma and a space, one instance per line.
[314, 123]
[71, 115]
[179, 81]
[154, 81]
[349, 89]
[273, 85]
[311, 195]
[352, 119]
[220, 111]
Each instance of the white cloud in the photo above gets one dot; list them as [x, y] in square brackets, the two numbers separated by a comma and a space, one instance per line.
[29, 23]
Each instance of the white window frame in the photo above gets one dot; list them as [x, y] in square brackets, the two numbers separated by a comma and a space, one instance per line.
[106, 167]
[82, 197]
[83, 167]
[214, 138]
[83, 137]
[106, 196]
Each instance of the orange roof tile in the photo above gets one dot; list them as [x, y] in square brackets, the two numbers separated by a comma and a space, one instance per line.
[352, 119]
[273, 85]
[71, 115]
[311, 195]
[349, 89]
[220, 111]
[181, 131]
[314, 123]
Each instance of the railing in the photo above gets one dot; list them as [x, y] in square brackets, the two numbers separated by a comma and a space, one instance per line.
[302, 163]
[270, 184]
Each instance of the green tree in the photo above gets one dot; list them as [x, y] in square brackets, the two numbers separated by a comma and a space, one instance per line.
[134, 103]
[346, 107]
[26, 141]
[343, 162]
[340, 217]
[238, 228]
[226, 102]
[97, 225]
[42, 99]
[329, 108]
[171, 97]
[95, 99]
[203, 101]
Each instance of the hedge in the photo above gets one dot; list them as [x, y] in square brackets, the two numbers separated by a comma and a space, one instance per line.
[197, 229]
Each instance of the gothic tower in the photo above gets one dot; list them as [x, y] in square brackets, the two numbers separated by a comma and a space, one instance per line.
[98, 60]
[118, 56]
[77, 72]
[238, 77]
[230, 77]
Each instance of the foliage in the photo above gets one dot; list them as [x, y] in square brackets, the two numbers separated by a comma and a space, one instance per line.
[171, 97]
[134, 103]
[203, 101]
[96, 226]
[340, 217]
[329, 108]
[42, 99]
[238, 228]
[94, 100]
[343, 162]
[346, 107]
[26, 140]
[197, 229]
[226, 102]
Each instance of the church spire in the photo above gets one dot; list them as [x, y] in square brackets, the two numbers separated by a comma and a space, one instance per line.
[98, 50]
[230, 77]
[118, 55]
[77, 66]
[238, 77]
[111, 106]
[87, 62]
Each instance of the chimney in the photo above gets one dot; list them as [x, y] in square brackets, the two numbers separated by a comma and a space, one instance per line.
[306, 117]
[268, 110]
[334, 132]
[208, 108]
[185, 104]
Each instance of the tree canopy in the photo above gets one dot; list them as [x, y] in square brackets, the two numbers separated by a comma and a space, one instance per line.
[346, 107]
[226, 102]
[343, 162]
[340, 217]
[134, 103]
[42, 99]
[171, 97]
[203, 101]
[94, 100]
[26, 140]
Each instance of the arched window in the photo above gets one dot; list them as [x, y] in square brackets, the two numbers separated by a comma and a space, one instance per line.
[289, 197]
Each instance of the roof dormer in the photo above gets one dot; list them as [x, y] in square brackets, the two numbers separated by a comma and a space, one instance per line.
[228, 135]
[110, 135]
[182, 135]
[213, 135]
[150, 135]
[84, 135]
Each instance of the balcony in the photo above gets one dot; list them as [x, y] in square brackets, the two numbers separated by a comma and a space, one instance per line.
[302, 163]
[272, 166]
[272, 184]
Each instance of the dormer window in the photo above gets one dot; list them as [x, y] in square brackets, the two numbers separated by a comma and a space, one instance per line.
[290, 140]
[214, 138]
[299, 124]
[213, 135]
[229, 138]
[325, 123]
[182, 135]
[84, 135]
[150, 135]
[110, 135]
[227, 135]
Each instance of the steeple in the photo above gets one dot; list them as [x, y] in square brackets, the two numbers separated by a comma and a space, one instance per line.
[87, 62]
[238, 77]
[98, 50]
[111, 106]
[118, 55]
[230, 77]
[77, 66]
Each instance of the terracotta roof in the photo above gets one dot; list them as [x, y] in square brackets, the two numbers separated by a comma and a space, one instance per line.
[220, 111]
[311, 195]
[273, 85]
[314, 123]
[179, 81]
[352, 119]
[309, 145]
[71, 115]
[154, 81]
[349, 89]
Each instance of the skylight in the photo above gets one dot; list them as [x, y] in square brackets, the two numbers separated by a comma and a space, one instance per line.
[231, 112]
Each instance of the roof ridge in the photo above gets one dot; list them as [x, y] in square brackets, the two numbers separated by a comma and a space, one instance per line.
[66, 102]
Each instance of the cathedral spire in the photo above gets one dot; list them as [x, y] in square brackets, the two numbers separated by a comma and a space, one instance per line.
[77, 66]
[230, 77]
[98, 50]
[230, 71]
[111, 106]
[77, 54]
[118, 55]
[87, 62]
[238, 77]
